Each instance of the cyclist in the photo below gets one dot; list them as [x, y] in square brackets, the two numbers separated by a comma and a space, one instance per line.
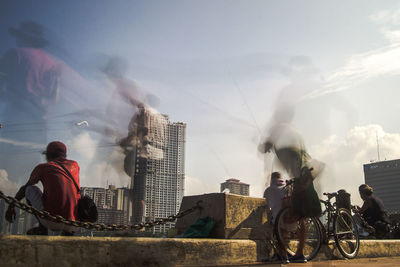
[289, 148]
[373, 211]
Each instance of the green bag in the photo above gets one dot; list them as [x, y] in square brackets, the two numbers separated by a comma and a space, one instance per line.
[201, 228]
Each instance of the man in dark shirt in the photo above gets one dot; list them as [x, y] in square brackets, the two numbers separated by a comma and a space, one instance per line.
[373, 210]
[59, 197]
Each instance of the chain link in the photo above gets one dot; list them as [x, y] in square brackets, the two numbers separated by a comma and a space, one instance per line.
[95, 226]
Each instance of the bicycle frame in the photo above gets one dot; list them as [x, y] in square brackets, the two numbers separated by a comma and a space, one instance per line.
[331, 212]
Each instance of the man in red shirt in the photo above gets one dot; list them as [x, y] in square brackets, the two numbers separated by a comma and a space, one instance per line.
[60, 196]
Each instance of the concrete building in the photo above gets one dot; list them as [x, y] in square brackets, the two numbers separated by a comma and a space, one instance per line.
[23, 221]
[235, 186]
[114, 205]
[159, 168]
[384, 178]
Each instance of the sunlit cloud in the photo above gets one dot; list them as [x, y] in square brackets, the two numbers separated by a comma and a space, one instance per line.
[372, 64]
[386, 17]
[344, 157]
[6, 186]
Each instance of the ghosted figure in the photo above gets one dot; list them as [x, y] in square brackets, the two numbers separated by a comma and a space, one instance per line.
[373, 211]
[289, 148]
[29, 84]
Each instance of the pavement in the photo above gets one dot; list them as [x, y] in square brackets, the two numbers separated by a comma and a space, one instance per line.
[358, 262]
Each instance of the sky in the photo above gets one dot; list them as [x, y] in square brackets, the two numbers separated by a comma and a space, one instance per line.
[221, 67]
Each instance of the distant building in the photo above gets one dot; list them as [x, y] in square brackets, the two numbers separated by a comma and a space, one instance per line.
[114, 205]
[235, 186]
[23, 221]
[159, 168]
[384, 178]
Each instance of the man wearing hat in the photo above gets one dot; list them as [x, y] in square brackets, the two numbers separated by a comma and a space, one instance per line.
[59, 196]
[29, 85]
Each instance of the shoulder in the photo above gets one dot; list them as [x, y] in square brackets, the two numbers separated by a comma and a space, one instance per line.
[73, 162]
[42, 166]
[267, 190]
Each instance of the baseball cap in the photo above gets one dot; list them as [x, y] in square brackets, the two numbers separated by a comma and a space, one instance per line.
[56, 149]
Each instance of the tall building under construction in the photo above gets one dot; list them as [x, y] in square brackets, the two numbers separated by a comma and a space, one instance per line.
[384, 178]
[158, 172]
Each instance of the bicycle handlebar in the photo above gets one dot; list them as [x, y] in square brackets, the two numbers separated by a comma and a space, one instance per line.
[330, 195]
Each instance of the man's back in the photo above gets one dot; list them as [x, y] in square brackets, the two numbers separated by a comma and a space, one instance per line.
[274, 194]
[60, 196]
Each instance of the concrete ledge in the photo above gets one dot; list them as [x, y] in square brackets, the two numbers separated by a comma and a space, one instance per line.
[114, 251]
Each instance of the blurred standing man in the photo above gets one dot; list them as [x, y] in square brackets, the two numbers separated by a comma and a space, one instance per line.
[29, 83]
[59, 197]
[289, 148]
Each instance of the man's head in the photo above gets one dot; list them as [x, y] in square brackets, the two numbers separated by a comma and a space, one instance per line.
[365, 191]
[55, 150]
[275, 176]
[29, 34]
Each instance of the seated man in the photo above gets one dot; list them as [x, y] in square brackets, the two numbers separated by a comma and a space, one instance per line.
[59, 197]
[274, 194]
[373, 211]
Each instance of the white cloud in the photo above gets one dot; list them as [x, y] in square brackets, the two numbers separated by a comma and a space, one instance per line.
[99, 165]
[84, 146]
[23, 144]
[375, 63]
[386, 17]
[6, 186]
[344, 157]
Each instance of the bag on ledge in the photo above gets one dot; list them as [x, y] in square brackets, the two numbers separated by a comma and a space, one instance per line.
[87, 210]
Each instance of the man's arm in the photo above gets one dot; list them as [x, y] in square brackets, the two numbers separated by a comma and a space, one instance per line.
[11, 213]
[365, 206]
[265, 147]
[21, 192]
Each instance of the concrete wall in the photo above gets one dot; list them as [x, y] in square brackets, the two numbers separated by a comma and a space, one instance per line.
[237, 217]
[84, 251]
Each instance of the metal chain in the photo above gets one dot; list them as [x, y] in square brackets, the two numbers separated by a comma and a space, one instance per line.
[96, 226]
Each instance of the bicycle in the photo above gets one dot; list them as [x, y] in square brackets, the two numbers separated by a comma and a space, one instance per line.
[340, 225]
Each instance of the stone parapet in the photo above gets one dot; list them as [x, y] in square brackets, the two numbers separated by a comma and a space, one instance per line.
[237, 217]
[128, 251]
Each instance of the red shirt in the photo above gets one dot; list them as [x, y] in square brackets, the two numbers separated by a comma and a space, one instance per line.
[60, 196]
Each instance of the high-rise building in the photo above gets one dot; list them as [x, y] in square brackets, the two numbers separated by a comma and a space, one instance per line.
[384, 178]
[235, 186]
[159, 168]
[114, 205]
[23, 221]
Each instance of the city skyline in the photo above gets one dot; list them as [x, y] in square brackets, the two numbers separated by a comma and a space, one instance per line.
[220, 67]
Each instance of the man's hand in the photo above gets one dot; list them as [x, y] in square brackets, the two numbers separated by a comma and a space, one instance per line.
[11, 214]
[265, 147]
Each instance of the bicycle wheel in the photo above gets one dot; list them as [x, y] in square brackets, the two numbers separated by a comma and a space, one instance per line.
[346, 234]
[287, 231]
